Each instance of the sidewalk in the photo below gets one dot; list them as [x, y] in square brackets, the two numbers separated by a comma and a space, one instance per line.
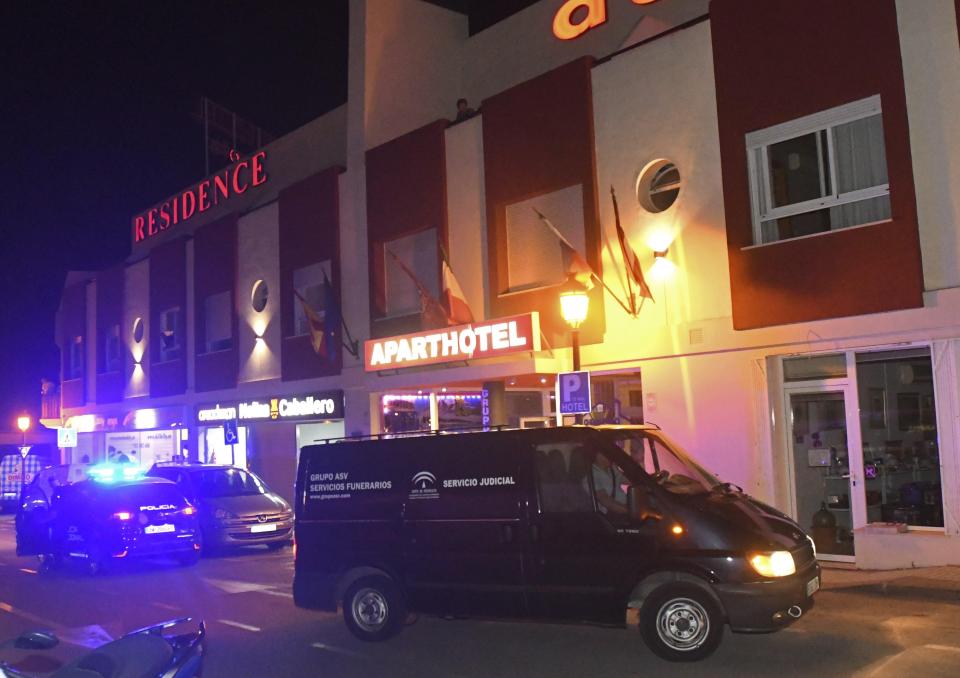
[942, 583]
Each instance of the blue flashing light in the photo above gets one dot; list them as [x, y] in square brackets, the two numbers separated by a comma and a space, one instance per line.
[112, 473]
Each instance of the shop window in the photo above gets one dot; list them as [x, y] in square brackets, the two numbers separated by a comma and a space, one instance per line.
[534, 257]
[461, 410]
[309, 284]
[820, 173]
[75, 358]
[111, 350]
[901, 458]
[404, 413]
[218, 322]
[170, 330]
[419, 254]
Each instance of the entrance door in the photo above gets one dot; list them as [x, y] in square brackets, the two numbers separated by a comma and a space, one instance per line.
[825, 468]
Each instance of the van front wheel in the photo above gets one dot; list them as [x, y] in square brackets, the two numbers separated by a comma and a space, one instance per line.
[373, 608]
[681, 623]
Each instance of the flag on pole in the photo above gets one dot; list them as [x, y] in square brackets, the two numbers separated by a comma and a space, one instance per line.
[316, 326]
[452, 297]
[332, 318]
[634, 271]
[432, 312]
[573, 262]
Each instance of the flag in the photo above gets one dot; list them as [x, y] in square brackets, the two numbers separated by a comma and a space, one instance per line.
[317, 326]
[432, 312]
[634, 272]
[332, 318]
[452, 296]
[573, 262]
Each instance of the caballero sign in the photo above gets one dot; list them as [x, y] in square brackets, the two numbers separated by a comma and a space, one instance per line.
[487, 339]
[321, 405]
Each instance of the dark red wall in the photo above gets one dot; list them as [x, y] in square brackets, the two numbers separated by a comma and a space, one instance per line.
[309, 233]
[538, 138]
[74, 323]
[109, 314]
[406, 193]
[779, 60]
[214, 271]
[168, 288]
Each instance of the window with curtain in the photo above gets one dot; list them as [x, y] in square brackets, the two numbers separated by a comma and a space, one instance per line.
[821, 173]
[418, 253]
[308, 283]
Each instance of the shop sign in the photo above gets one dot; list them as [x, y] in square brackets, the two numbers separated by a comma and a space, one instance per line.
[488, 339]
[322, 405]
[576, 17]
[66, 437]
[235, 180]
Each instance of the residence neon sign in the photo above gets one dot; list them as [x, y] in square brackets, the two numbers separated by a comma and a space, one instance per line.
[486, 339]
[235, 180]
[567, 25]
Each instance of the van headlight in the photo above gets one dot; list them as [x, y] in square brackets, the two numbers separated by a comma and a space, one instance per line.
[775, 564]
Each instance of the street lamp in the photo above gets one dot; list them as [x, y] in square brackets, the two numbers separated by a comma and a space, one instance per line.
[23, 423]
[574, 303]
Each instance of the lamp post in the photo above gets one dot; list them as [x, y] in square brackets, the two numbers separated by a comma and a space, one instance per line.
[23, 423]
[574, 304]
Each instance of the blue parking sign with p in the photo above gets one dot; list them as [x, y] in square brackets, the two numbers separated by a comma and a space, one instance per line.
[573, 390]
[231, 435]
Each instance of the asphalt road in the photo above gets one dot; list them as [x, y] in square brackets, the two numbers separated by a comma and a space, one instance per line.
[255, 630]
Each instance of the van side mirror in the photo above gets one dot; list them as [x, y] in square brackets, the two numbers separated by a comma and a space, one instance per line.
[642, 505]
[36, 640]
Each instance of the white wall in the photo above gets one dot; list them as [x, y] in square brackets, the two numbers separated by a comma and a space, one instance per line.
[931, 62]
[258, 258]
[467, 211]
[136, 304]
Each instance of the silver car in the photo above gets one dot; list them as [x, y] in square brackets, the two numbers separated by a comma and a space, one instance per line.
[236, 506]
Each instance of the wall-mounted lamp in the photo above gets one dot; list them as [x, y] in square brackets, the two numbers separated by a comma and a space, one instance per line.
[663, 268]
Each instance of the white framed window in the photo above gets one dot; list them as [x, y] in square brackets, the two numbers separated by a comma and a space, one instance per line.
[308, 282]
[418, 252]
[819, 173]
[111, 350]
[170, 330]
[217, 322]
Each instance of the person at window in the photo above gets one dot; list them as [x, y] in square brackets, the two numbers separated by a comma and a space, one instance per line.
[609, 484]
[464, 112]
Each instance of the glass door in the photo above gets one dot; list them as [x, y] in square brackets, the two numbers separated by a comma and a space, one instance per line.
[827, 500]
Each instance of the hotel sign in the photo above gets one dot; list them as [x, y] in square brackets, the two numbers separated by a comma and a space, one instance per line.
[235, 180]
[322, 405]
[487, 339]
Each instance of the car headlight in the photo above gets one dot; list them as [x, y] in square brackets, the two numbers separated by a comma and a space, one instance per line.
[223, 514]
[775, 564]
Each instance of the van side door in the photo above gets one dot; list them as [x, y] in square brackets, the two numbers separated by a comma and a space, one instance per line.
[585, 551]
[462, 528]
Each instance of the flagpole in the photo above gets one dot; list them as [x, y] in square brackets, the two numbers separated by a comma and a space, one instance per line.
[616, 216]
[613, 294]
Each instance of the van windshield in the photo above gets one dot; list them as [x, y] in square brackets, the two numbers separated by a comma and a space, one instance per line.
[665, 461]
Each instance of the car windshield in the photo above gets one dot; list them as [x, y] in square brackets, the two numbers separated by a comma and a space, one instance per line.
[665, 461]
[227, 482]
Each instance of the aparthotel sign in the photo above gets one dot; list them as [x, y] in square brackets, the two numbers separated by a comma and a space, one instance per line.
[322, 405]
[487, 339]
[235, 180]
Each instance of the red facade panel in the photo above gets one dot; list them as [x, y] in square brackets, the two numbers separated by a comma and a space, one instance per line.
[215, 271]
[538, 138]
[109, 319]
[74, 324]
[309, 234]
[780, 60]
[168, 290]
[406, 193]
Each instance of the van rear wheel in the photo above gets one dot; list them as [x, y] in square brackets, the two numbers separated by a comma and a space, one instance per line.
[373, 608]
[681, 623]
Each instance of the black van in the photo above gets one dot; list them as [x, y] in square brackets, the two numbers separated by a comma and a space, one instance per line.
[612, 525]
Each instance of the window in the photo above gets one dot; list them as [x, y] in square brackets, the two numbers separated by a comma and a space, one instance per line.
[562, 477]
[534, 258]
[75, 358]
[308, 283]
[217, 322]
[170, 329]
[820, 173]
[418, 252]
[111, 350]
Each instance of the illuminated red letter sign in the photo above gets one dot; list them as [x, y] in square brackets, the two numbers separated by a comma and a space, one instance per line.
[564, 26]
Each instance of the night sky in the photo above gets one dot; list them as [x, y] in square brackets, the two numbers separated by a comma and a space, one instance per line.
[95, 124]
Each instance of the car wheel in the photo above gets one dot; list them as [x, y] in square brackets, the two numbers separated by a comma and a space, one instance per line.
[681, 623]
[373, 608]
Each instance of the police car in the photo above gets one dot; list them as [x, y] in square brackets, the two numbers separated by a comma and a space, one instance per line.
[113, 515]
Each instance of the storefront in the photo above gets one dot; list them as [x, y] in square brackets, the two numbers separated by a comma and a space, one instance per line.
[143, 437]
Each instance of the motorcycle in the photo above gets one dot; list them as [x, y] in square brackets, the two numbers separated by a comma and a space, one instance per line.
[144, 653]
